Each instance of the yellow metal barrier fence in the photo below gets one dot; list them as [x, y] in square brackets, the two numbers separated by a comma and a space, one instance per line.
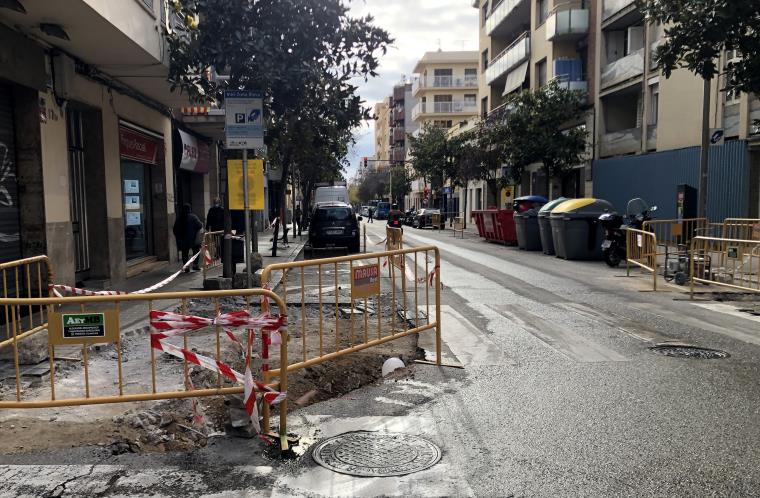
[25, 278]
[641, 250]
[135, 380]
[738, 267]
[459, 226]
[339, 288]
[671, 234]
[211, 255]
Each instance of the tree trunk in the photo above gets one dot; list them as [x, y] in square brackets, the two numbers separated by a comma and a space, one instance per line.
[464, 211]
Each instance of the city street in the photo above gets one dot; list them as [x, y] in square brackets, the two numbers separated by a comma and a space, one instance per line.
[559, 396]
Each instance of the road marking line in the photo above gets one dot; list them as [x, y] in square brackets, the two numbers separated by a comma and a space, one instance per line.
[616, 321]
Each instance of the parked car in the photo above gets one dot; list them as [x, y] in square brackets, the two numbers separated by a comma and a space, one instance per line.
[383, 208]
[409, 216]
[424, 218]
[334, 224]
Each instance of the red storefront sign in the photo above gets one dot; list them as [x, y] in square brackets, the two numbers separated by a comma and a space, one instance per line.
[138, 146]
[196, 154]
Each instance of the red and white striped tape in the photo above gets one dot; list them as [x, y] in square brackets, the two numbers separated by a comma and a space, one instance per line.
[173, 324]
[58, 288]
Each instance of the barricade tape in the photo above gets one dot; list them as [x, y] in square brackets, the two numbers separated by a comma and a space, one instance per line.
[55, 288]
[173, 324]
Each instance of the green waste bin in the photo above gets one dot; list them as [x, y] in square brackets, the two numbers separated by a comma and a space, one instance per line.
[576, 229]
[545, 226]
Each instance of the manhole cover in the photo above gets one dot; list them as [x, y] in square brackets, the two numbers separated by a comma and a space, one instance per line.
[376, 454]
[681, 351]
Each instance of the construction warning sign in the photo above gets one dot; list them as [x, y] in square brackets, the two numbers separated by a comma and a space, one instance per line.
[255, 184]
[84, 328]
[365, 281]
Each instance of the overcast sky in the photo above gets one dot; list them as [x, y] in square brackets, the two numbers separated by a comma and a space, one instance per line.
[417, 26]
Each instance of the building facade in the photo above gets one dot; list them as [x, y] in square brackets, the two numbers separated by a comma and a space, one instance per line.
[94, 158]
[446, 88]
[382, 132]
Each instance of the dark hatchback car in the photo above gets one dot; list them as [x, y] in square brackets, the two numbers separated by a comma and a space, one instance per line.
[334, 224]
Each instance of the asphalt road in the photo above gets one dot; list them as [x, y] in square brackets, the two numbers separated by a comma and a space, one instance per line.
[559, 396]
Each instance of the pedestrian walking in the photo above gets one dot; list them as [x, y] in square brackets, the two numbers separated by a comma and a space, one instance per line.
[215, 217]
[371, 214]
[186, 229]
[297, 223]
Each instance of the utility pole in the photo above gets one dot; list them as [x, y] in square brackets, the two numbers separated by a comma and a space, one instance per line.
[704, 157]
[247, 214]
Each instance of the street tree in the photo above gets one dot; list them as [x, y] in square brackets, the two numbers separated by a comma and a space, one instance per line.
[373, 186]
[429, 154]
[303, 55]
[541, 127]
[696, 34]
[465, 161]
[400, 184]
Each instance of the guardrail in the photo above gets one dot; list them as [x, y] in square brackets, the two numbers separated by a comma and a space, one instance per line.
[344, 292]
[87, 320]
[641, 251]
[675, 233]
[458, 226]
[212, 250]
[739, 266]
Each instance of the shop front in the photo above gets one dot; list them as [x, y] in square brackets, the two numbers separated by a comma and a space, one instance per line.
[192, 163]
[142, 154]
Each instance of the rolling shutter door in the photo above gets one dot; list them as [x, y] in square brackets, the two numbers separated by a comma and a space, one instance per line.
[10, 228]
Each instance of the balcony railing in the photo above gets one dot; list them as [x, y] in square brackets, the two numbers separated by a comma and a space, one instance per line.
[398, 154]
[456, 107]
[399, 134]
[652, 137]
[510, 57]
[564, 81]
[612, 7]
[567, 24]
[444, 82]
[625, 68]
[621, 142]
[499, 12]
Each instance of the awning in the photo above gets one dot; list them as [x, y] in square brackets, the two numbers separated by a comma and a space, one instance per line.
[516, 78]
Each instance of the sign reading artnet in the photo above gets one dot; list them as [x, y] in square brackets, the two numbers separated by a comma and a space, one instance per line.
[84, 328]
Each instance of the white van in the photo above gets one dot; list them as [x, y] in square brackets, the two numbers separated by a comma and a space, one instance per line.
[330, 194]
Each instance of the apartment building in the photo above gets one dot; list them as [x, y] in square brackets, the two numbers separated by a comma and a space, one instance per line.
[94, 156]
[446, 88]
[648, 127]
[402, 103]
[382, 132]
[644, 129]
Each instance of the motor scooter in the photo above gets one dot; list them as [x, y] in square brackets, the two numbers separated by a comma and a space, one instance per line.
[614, 245]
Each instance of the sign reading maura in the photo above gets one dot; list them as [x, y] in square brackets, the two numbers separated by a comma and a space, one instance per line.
[365, 281]
[82, 325]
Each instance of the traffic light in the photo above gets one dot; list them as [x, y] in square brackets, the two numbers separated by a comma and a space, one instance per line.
[366, 162]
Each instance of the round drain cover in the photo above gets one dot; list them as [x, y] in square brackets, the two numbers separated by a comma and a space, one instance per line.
[682, 351]
[376, 454]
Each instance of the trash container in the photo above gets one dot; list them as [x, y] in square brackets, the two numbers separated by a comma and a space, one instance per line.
[545, 226]
[526, 222]
[576, 230]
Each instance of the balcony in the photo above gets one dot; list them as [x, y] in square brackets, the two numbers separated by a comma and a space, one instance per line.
[612, 7]
[509, 58]
[567, 25]
[506, 15]
[623, 69]
[444, 82]
[568, 83]
[398, 154]
[440, 108]
[398, 134]
[399, 114]
[621, 142]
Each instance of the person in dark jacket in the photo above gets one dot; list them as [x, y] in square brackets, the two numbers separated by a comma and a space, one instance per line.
[215, 217]
[186, 229]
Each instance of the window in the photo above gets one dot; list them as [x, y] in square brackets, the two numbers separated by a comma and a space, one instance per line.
[484, 107]
[484, 59]
[443, 77]
[732, 57]
[471, 76]
[484, 14]
[442, 103]
[654, 103]
[332, 214]
[541, 73]
[543, 11]
[470, 100]
[443, 123]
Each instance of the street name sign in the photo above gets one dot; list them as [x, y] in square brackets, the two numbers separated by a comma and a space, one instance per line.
[244, 119]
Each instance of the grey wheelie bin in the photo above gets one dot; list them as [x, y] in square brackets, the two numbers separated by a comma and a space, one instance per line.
[576, 229]
[545, 226]
[526, 222]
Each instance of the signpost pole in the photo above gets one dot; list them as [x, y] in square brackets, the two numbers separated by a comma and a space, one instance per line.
[247, 214]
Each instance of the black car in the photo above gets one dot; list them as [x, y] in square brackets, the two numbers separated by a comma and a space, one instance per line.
[424, 218]
[334, 224]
